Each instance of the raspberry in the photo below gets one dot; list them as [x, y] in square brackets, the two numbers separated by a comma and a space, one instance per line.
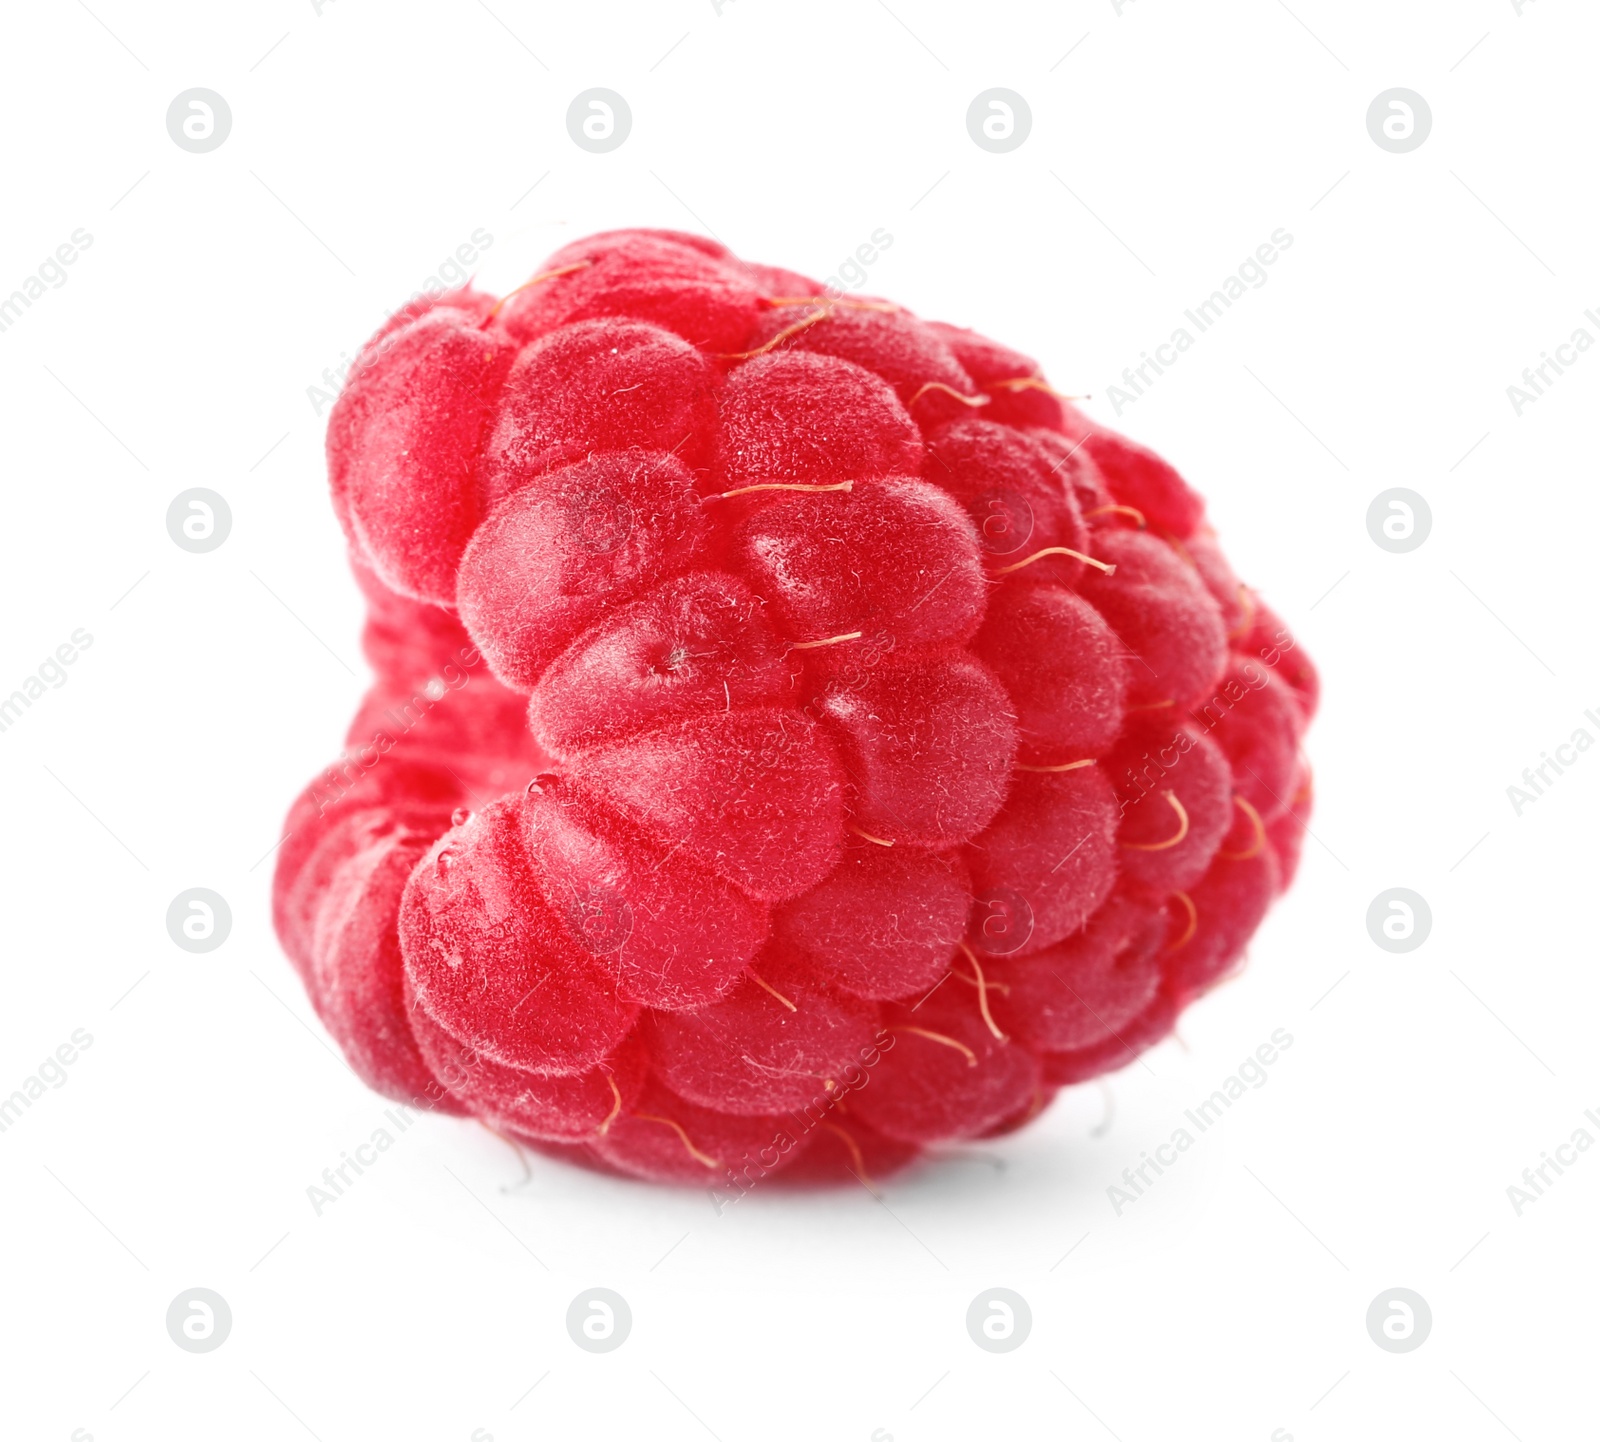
[1269, 642]
[336, 817]
[1153, 1024]
[1018, 395]
[798, 735]
[1076, 467]
[474, 733]
[405, 641]
[1203, 553]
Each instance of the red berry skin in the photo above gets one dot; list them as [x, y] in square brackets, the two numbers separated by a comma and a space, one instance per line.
[946, 1075]
[896, 563]
[1138, 477]
[476, 304]
[346, 421]
[890, 343]
[1074, 467]
[1232, 597]
[357, 976]
[1045, 864]
[1043, 1094]
[778, 284]
[667, 935]
[1084, 990]
[404, 441]
[796, 417]
[755, 1053]
[842, 1151]
[345, 810]
[680, 282]
[406, 641]
[1230, 902]
[1064, 669]
[1006, 483]
[475, 731]
[492, 964]
[1287, 833]
[664, 1138]
[927, 749]
[884, 925]
[555, 556]
[1270, 643]
[1175, 790]
[694, 645]
[1154, 1024]
[560, 402]
[527, 1104]
[1163, 614]
[1017, 393]
[1256, 721]
[755, 796]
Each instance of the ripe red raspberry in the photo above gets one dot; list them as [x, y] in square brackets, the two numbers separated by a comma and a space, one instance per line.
[799, 735]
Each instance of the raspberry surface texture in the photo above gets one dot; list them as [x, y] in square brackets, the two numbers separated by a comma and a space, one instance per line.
[800, 737]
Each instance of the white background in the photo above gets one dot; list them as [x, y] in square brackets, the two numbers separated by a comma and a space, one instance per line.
[1229, 1301]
